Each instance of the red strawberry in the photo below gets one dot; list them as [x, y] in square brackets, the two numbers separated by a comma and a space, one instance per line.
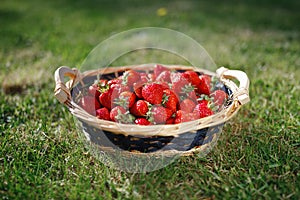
[193, 116]
[204, 101]
[188, 91]
[178, 76]
[204, 86]
[139, 108]
[120, 115]
[193, 77]
[138, 90]
[207, 79]
[179, 81]
[219, 97]
[90, 104]
[126, 99]
[164, 76]
[105, 98]
[170, 120]
[94, 90]
[142, 121]
[144, 76]
[112, 94]
[98, 87]
[202, 110]
[158, 69]
[187, 105]
[130, 77]
[179, 117]
[160, 114]
[182, 116]
[137, 87]
[170, 100]
[114, 81]
[119, 88]
[103, 113]
[165, 85]
[116, 112]
[151, 77]
[192, 95]
[102, 83]
[153, 93]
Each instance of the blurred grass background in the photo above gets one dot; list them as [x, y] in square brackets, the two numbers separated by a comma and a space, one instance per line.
[257, 155]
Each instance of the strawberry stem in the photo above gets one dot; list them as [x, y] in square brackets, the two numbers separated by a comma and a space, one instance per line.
[125, 78]
[122, 101]
[125, 118]
[188, 88]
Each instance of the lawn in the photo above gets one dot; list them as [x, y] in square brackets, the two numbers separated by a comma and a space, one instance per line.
[257, 155]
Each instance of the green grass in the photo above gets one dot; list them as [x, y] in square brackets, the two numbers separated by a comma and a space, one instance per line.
[257, 155]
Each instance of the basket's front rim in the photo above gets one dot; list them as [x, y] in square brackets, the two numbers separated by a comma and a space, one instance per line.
[240, 96]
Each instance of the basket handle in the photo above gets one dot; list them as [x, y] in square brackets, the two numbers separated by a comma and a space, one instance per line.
[242, 93]
[62, 89]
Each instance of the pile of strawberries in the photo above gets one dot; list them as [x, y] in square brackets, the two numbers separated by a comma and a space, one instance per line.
[161, 97]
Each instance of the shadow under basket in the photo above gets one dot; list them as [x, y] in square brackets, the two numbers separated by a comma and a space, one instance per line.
[184, 138]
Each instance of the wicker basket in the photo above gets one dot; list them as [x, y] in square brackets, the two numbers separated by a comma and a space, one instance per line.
[184, 138]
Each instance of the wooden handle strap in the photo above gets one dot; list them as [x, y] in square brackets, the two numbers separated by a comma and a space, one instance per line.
[62, 90]
[242, 94]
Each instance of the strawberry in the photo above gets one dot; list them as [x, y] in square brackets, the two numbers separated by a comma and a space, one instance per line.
[182, 116]
[119, 88]
[164, 76]
[137, 87]
[116, 111]
[151, 77]
[102, 83]
[202, 110]
[158, 69]
[170, 120]
[108, 97]
[90, 104]
[187, 105]
[193, 77]
[207, 79]
[130, 77]
[139, 108]
[144, 76]
[119, 114]
[138, 90]
[105, 98]
[204, 101]
[94, 90]
[204, 86]
[142, 121]
[153, 93]
[103, 113]
[179, 117]
[114, 81]
[219, 97]
[97, 87]
[126, 99]
[165, 85]
[193, 96]
[179, 81]
[188, 91]
[159, 114]
[170, 100]
[178, 76]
